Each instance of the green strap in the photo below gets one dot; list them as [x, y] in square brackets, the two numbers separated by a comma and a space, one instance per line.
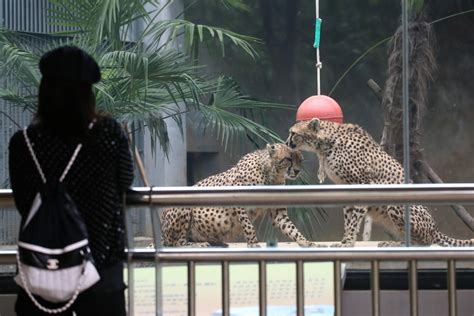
[317, 32]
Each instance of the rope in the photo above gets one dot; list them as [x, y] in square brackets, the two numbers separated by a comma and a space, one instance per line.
[317, 37]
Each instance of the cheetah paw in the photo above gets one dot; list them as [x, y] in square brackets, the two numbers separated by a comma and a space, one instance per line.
[197, 245]
[311, 244]
[390, 244]
[341, 245]
[218, 244]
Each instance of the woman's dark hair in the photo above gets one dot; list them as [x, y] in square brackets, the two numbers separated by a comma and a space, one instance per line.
[66, 102]
[65, 108]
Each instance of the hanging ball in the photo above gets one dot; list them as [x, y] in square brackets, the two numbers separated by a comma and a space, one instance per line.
[319, 106]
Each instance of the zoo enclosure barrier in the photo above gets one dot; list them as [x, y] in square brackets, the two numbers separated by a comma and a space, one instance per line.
[292, 196]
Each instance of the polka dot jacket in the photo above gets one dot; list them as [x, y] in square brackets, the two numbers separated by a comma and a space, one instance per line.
[100, 175]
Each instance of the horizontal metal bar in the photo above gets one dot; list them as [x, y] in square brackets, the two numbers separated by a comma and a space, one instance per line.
[305, 195]
[328, 254]
[7, 256]
[455, 193]
[287, 254]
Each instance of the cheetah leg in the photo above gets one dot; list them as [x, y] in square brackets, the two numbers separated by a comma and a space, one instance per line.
[184, 226]
[422, 225]
[248, 228]
[172, 233]
[396, 215]
[281, 220]
[353, 216]
[175, 225]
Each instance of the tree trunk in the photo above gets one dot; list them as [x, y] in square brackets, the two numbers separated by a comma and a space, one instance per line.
[423, 170]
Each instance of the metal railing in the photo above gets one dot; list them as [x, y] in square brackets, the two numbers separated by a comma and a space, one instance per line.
[293, 195]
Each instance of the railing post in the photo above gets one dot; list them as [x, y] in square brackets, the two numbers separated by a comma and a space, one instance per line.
[191, 288]
[225, 289]
[413, 282]
[130, 272]
[262, 276]
[375, 282]
[156, 225]
[156, 230]
[337, 288]
[452, 288]
[300, 288]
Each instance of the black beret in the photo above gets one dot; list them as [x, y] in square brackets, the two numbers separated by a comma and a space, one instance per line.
[69, 63]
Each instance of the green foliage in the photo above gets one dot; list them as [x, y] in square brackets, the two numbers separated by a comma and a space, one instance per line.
[195, 34]
[146, 79]
[222, 114]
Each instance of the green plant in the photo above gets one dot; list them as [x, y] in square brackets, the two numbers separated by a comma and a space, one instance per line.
[146, 79]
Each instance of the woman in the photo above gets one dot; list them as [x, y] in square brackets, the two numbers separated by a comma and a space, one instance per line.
[99, 176]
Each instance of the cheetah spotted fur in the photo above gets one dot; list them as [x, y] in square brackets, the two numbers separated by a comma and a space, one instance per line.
[205, 226]
[347, 154]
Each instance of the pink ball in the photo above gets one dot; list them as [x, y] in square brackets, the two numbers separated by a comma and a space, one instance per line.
[319, 106]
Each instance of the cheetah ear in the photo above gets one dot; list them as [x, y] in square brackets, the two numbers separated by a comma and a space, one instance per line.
[271, 149]
[314, 124]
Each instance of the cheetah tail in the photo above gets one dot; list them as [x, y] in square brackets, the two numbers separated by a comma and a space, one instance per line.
[446, 241]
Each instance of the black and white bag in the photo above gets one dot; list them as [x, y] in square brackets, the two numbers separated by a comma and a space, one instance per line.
[54, 259]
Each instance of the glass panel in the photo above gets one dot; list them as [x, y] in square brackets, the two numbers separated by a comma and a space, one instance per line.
[203, 83]
[353, 39]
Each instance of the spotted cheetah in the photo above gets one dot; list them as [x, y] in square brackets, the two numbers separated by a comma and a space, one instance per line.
[347, 154]
[205, 226]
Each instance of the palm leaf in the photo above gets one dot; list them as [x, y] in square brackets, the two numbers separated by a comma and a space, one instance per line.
[166, 32]
[148, 83]
[100, 19]
[19, 62]
[27, 102]
[221, 115]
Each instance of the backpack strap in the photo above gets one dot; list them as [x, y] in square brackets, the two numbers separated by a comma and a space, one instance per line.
[32, 152]
[69, 164]
[71, 161]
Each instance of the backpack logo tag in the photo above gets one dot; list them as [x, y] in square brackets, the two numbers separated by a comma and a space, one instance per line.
[53, 264]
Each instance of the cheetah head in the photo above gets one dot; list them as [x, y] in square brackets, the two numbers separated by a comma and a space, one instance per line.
[286, 161]
[304, 134]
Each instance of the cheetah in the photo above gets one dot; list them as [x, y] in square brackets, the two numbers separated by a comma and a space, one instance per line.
[206, 226]
[347, 154]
